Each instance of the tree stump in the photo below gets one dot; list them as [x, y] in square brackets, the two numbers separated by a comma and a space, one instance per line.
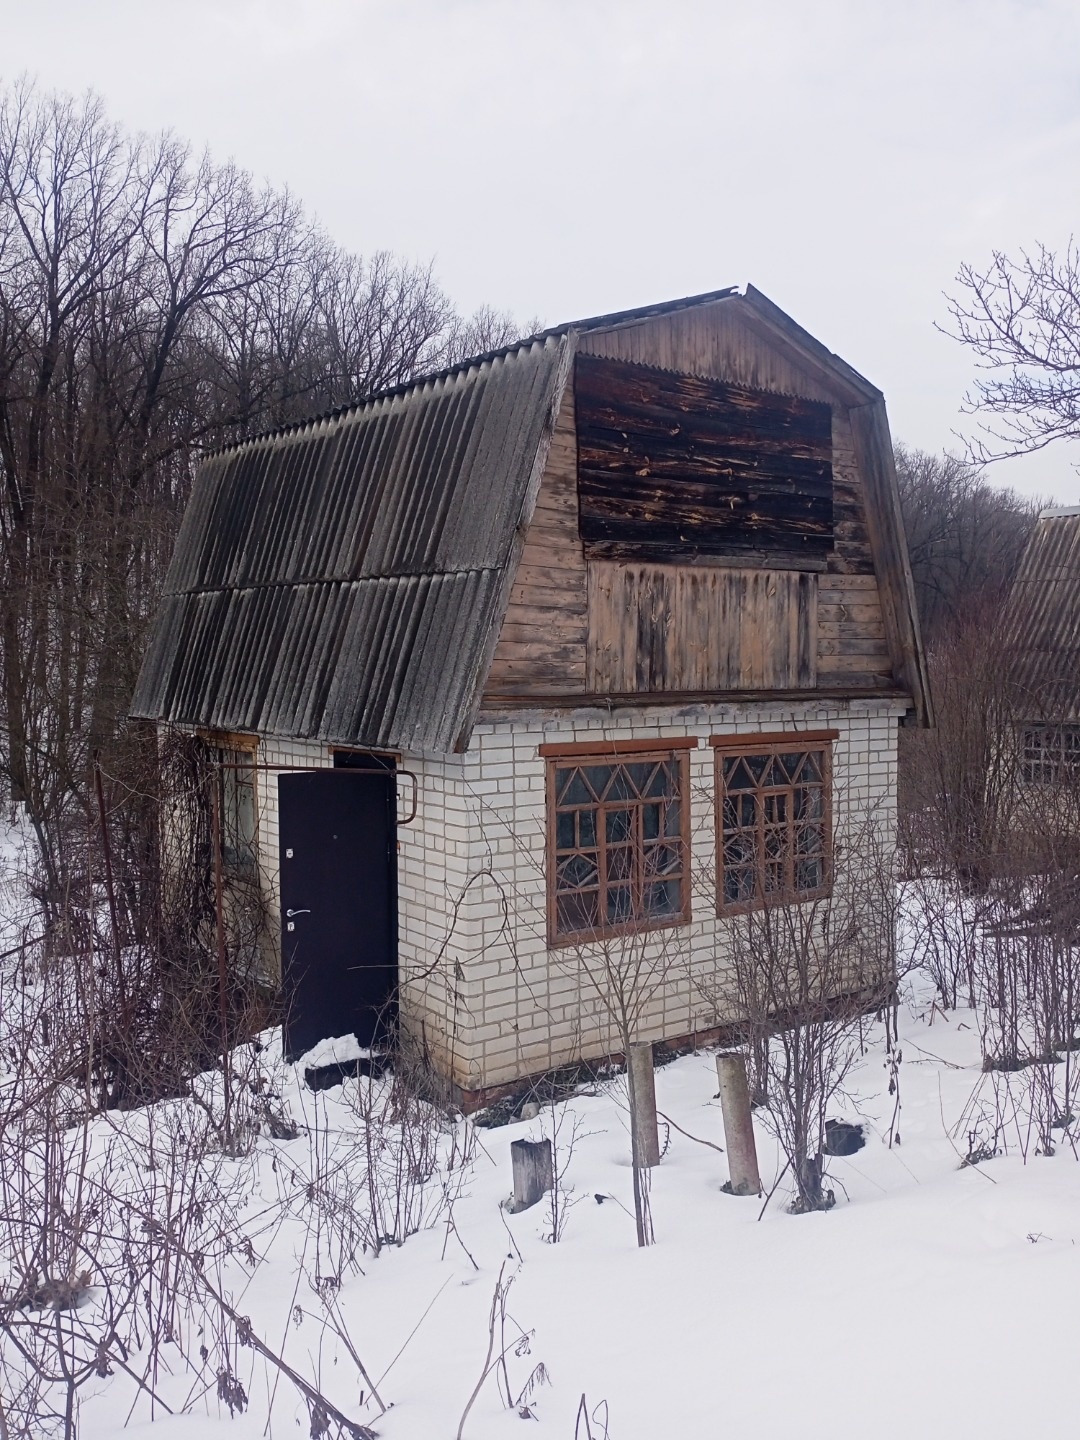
[533, 1175]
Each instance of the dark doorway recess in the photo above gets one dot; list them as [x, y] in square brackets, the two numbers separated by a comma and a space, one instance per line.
[338, 839]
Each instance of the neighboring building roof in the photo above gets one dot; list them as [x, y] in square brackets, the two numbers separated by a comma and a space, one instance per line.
[343, 579]
[1044, 626]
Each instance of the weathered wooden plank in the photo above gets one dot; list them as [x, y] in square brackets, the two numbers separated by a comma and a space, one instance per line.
[850, 664]
[719, 341]
[865, 630]
[848, 644]
[848, 614]
[680, 628]
[843, 585]
[541, 647]
[553, 575]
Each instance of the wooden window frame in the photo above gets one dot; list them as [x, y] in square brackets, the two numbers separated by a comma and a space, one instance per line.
[562, 757]
[1045, 757]
[775, 743]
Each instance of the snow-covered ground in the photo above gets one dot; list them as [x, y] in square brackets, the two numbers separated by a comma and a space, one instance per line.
[933, 1300]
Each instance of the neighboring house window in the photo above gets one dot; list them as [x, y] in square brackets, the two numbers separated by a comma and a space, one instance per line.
[618, 841]
[773, 838]
[1050, 752]
[239, 825]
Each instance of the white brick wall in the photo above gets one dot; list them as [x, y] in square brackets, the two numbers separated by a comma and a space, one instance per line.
[479, 986]
[518, 1007]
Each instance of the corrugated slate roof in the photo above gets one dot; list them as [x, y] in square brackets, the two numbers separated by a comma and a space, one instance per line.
[340, 580]
[1044, 627]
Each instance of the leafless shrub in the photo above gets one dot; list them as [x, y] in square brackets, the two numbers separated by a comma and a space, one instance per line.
[500, 1346]
[802, 976]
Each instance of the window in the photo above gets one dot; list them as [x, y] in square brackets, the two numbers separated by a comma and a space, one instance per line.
[239, 827]
[773, 838]
[618, 844]
[1050, 752]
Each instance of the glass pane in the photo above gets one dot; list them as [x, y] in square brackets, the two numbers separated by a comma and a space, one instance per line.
[586, 820]
[577, 912]
[650, 821]
[757, 766]
[809, 803]
[809, 840]
[618, 904]
[731, 815]
[571, 788]
[790, 764]
[775, 843]
[776, 808]
[673, 818]
[773, 877]
[620, 863]
[238, 826]
[747, 810]
[738, 886]
[619, 825]
[739, 849]
[662, 898]
[576, 871]
[597, 778]
[565, 838]
[812, 766]
[737, 777]
[660, 782]
[663, 860]
[809, 875]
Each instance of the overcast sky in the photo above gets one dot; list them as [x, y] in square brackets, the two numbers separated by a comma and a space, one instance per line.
[563, 158]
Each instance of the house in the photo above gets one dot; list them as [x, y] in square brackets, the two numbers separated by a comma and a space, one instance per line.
[1044, 645]
[595, 641]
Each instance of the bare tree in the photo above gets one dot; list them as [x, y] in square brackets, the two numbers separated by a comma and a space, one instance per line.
[153, 305]
[1021, 317]
[965, 537]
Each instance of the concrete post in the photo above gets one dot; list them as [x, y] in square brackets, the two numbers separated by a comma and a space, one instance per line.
[639, 1063]
[743, 1177]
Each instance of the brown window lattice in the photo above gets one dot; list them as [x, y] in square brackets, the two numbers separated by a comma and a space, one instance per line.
[773, 823]
[1050, 753]
[618, 844]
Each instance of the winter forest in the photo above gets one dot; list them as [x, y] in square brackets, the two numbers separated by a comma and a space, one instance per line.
[193, 1240]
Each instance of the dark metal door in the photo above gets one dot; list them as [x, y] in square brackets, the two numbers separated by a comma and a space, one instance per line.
[338, 905]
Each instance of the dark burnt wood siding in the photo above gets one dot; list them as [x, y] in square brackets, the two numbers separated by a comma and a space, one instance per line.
[676, 468]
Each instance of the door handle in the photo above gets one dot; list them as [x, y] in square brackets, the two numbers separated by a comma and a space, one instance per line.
[291, 913]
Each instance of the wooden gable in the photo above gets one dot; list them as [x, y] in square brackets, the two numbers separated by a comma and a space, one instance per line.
[722, 569]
